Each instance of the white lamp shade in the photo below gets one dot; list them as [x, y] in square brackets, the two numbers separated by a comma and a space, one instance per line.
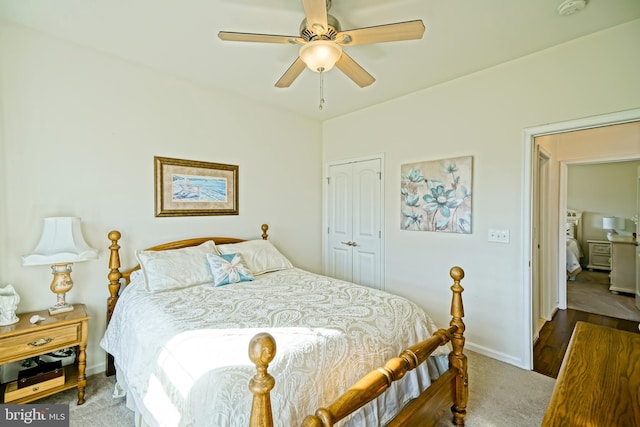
[320, 55]
[612, 223]
[61, 242]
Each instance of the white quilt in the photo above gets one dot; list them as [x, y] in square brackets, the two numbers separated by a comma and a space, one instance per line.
[573, 257]
[183, 354]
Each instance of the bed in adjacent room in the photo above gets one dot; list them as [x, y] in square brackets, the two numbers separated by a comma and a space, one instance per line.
[573, 233]
[179, 334]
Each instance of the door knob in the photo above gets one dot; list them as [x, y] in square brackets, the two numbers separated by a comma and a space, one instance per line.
[349, 243]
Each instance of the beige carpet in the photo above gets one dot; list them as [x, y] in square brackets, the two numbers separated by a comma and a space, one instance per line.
[500, 395]
[590, 293]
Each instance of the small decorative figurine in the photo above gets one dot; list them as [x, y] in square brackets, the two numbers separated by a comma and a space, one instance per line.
[9, 300]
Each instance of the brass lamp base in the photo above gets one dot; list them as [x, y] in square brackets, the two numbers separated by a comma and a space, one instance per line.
[60, 285]
[60, 309]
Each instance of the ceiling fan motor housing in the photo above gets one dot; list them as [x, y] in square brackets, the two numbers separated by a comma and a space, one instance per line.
[322, 38]
[329, 34]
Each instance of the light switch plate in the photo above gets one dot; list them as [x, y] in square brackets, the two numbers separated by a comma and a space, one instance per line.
[498, 236]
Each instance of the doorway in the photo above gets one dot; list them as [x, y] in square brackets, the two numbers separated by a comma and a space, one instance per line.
[607, 282]
[556, 294]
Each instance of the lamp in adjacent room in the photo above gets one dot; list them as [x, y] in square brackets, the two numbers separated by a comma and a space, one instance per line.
[61, 244]
[612, 224]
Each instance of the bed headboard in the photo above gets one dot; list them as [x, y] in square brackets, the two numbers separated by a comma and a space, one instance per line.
[117, 275]
[573, 224]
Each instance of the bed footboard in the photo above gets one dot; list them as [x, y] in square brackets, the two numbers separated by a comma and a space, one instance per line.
[449, 391]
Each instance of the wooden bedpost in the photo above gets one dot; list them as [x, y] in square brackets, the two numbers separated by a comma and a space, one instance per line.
[114, 286]
[265, 228]
[262, 350]
[457, 359]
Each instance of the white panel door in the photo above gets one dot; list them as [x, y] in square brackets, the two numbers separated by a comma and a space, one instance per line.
[340, 229]
[355, 223]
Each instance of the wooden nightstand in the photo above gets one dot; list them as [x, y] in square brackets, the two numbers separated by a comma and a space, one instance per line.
[23, 340]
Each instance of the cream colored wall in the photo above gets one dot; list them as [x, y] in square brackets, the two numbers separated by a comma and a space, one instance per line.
[484, 115]
[80, 130]
[599, 190]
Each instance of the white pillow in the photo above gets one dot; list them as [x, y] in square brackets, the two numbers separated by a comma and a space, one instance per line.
[136, 276]
[176, 268]
[260, 256]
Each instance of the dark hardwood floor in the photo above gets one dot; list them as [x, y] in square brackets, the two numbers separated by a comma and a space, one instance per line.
[554, 337]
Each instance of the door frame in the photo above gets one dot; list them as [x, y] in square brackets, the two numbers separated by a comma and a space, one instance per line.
[325, 206]
[541, 306]
[528, 204]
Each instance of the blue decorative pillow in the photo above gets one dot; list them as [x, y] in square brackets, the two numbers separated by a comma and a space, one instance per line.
[228, 268]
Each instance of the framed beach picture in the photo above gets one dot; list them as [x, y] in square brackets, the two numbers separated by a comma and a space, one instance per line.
[436, 195]
[190, 188]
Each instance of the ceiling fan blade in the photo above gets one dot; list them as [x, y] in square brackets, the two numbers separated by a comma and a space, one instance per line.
[291, 74]
[410, 30]
[259, 38]
[354, 71]
[316, 13]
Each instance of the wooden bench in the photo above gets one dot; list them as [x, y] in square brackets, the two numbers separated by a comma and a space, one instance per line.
[599, 380]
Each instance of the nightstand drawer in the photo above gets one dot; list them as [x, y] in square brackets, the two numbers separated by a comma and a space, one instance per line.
[38, 342]
[597, 259]
[601, 249]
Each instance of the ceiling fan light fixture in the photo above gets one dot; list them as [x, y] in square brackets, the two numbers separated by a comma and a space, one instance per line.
[320, 55]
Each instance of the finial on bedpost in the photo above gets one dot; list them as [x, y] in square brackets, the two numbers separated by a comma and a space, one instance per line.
[265, 228]
[457, 359]
[262, 350]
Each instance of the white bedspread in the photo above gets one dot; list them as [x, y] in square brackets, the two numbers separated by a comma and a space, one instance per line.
[573, 257]
[183, 354]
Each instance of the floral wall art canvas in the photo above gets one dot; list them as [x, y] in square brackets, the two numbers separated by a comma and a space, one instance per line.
[436, 195]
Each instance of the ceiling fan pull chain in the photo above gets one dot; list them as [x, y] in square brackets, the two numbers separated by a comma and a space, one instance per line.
[321, 71]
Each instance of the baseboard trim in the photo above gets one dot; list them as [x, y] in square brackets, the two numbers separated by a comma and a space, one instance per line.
[503, 357]
[96, 369]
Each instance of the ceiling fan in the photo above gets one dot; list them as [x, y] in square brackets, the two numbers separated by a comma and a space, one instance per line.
[321, 39]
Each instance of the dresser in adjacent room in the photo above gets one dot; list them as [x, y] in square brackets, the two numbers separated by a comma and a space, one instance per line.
[623, 267]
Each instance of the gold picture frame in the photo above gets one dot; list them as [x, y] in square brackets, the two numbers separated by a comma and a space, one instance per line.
[194, 188]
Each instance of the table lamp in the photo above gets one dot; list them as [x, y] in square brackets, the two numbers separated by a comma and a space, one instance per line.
[612, 224]
[61, 244]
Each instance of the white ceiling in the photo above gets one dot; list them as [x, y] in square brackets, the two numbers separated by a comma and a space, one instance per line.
[180, 37]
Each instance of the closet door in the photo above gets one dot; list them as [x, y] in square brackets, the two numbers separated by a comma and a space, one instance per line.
[354, 244]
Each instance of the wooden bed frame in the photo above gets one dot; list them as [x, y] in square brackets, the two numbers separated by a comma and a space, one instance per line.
[448, 392]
